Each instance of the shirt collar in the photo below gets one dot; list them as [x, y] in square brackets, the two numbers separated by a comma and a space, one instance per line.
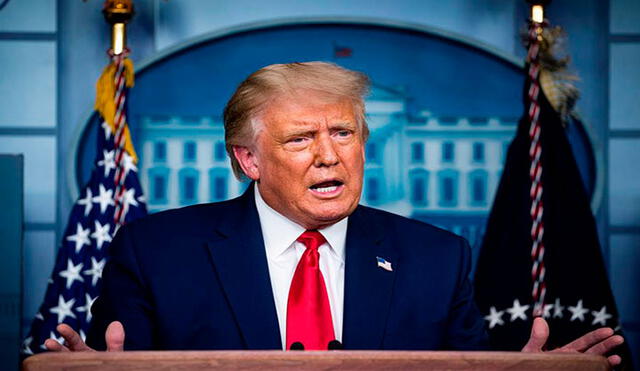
[279, 232]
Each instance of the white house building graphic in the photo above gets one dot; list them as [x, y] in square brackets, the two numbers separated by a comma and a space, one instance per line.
[443, 170]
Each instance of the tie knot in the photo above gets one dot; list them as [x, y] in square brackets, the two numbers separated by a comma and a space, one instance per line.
[312, 239]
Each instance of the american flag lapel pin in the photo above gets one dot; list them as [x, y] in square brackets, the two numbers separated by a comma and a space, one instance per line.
[382, 263]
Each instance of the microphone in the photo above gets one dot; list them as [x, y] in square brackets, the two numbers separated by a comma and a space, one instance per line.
[296, 346]
[335, 345]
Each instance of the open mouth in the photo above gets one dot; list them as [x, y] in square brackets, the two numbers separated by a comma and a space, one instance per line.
[327, 187]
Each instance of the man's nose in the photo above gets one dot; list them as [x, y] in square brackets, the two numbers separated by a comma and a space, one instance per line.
[325, 153]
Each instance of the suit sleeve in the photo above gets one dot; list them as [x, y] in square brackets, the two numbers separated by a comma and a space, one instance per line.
[466, 329]
[123, 297]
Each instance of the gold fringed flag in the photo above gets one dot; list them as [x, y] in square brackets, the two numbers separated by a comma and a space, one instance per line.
[112, 197]
[541, 254]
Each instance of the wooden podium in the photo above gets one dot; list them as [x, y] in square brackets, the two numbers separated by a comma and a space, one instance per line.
[298, 360]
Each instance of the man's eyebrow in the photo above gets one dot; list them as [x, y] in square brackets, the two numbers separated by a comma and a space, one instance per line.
[343, 125]
[307, 127]
[303, 130]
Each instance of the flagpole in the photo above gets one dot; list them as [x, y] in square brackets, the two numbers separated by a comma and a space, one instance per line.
[118, 13]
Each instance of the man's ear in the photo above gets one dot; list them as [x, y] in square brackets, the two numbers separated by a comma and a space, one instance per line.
[248, 161]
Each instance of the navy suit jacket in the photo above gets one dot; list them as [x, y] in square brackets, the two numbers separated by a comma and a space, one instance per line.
[197, 278]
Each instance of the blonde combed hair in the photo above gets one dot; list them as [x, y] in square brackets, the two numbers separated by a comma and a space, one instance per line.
[241, 115]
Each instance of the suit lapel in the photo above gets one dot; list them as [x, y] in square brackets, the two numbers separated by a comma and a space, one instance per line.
[368, 288]
[241, 264]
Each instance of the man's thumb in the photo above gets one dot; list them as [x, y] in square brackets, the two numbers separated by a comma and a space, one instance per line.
[539, 336]
[114, 337]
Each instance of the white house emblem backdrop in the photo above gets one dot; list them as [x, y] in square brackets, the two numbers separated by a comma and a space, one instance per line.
[442, 113]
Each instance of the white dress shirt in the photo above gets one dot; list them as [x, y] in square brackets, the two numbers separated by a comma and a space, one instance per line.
[284, 252]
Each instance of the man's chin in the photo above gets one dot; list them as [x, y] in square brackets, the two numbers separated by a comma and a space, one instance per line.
[317, 220]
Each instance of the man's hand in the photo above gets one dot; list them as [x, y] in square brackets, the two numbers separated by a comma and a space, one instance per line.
[599, 341]
[114, 338]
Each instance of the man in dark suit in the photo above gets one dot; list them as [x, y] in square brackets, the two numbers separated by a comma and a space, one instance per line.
[294, 261]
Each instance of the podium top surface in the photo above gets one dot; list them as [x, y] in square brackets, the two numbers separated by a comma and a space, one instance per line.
[299, 360]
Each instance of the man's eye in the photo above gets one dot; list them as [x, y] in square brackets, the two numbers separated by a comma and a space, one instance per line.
[344, 133]
[297, 140]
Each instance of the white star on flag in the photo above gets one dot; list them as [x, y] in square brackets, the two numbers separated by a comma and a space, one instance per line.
[107, 161]
[81, 237]
[129, 164]
[101, 233]
[578, 311]
[494, 318]
[517, 311]
[72, 273]
[26, 346]
[86, 202]
[557, 309]
[547, 310]
[83, 336]
[39, 316]
[63, 309]
[96, 270]
[87, 306]
[129, 198]
[107, 130]
[600, 316]
[105, 198]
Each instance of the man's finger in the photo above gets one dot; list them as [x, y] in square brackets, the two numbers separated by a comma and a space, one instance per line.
[53, 346]
[539, 336]
[614, 360]
[114, 337]
[588, 340]
[606, 345]
[72, 339]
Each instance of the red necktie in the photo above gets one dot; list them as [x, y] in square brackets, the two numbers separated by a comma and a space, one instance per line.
[308, 311]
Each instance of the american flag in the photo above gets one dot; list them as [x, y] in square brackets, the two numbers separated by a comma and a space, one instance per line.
[384, 264]
[76, 278]
[341, 51]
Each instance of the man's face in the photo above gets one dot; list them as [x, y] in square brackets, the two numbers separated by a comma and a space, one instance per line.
[308, 159]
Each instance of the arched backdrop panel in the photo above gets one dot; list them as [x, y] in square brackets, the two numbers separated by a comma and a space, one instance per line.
[441, 111]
